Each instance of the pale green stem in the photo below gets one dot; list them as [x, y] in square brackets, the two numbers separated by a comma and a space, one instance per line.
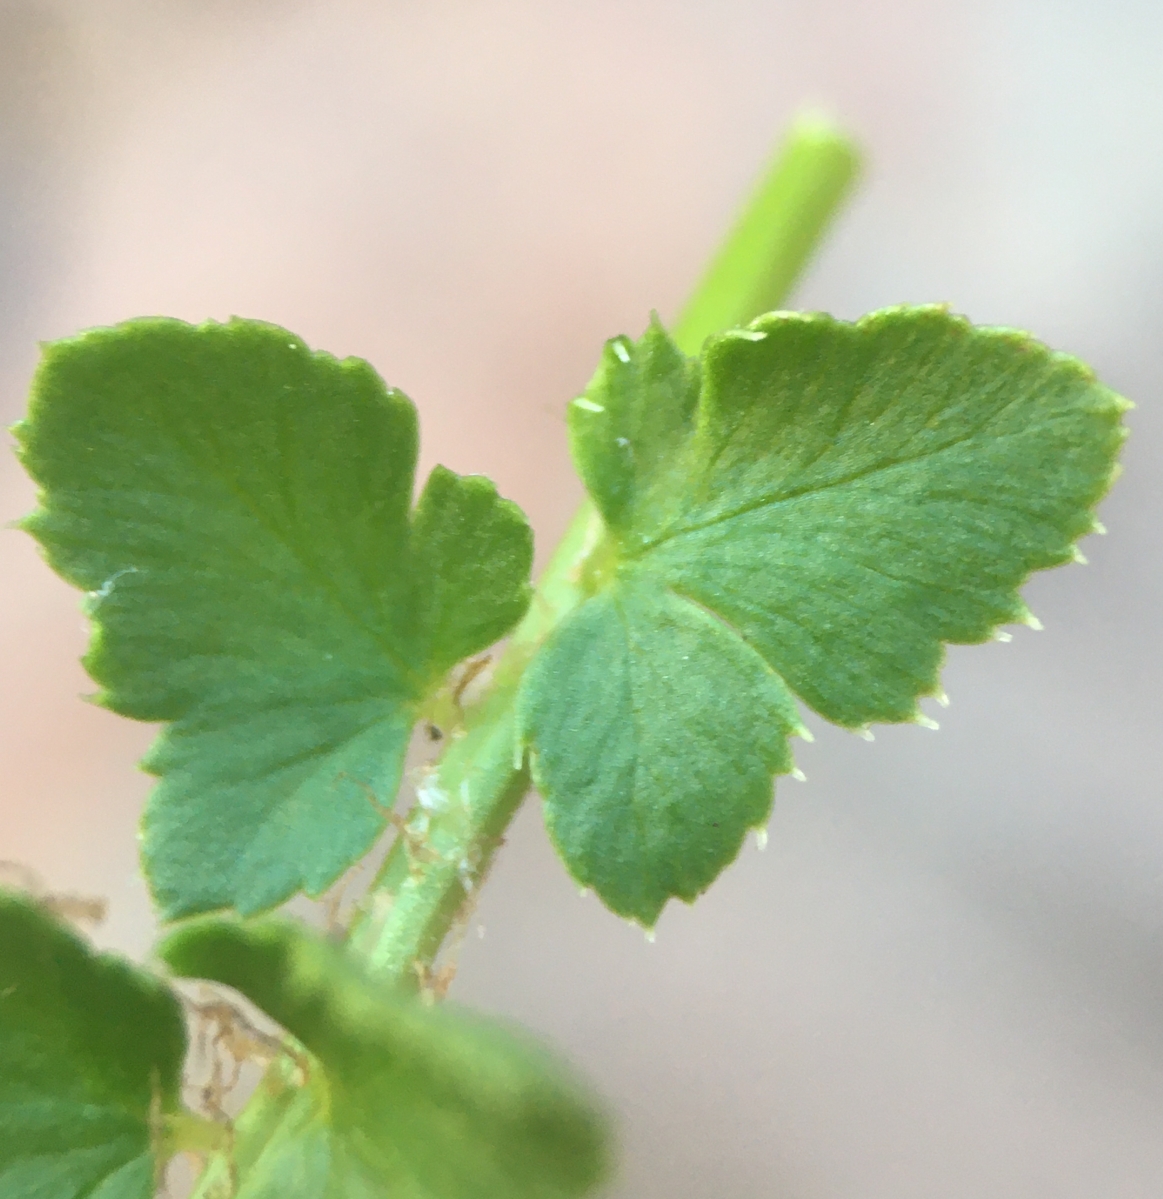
[279, 1106]
[775, 234]
[184, 1131]
[431, 874]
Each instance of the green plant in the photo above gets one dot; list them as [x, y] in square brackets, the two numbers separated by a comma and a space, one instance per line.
[805, 510]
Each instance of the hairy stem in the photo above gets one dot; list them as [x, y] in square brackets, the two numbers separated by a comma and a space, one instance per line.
[433, 870]
[430, 877]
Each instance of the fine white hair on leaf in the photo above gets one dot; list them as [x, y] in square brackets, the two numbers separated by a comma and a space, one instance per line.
[106, 588]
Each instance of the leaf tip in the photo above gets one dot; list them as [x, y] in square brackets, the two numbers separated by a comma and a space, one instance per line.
[1078, 556]
[803, 733]
[865, 733]
[798, 775]
[925, 722]
[760, 837]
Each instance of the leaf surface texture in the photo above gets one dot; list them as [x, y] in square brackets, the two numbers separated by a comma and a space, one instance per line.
[239, 511]
[809, 510]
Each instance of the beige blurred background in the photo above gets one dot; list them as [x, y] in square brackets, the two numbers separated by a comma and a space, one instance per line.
[944, 978]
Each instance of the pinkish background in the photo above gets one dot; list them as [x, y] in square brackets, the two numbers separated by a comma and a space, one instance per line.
[945, 975]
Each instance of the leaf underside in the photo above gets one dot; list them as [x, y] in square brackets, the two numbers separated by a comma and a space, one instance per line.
[238, 509]
[400, 1099]
[90, 1056]
[810, 510]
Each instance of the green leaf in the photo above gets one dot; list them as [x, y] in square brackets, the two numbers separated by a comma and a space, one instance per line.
[400, 1099]
[91, 1051]
[812, 508]
[237, 508]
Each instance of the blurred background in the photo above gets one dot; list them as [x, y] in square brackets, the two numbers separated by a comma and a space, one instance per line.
[944, 977]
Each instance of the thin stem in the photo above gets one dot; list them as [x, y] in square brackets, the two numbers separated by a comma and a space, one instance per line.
[433, 870]
[776, 233]
[432, 873]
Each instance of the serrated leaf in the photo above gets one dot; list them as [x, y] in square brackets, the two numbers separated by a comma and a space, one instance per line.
[400, 1099]
[237, 508]
[814, 507]
[90, 1055]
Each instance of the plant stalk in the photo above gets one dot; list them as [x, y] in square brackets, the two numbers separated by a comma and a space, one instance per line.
[429, 880]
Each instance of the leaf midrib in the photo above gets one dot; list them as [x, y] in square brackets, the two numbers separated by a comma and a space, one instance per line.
[672, 534]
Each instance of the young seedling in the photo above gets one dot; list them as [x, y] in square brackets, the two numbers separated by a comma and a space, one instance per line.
[783, 509]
